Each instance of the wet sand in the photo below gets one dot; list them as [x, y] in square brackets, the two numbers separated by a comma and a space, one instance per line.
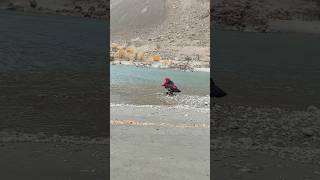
[157, 142]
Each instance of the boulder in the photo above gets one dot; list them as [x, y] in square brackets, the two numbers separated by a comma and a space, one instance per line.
[33, 3]
[78, 9]
[308, 132]
[100, 12]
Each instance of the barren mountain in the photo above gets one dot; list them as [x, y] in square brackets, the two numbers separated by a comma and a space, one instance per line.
[178, 30]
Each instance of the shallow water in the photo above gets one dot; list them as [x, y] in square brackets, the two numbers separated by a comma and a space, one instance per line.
[142, 86]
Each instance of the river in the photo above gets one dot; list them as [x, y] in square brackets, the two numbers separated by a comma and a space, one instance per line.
[273, 69]
[53, 74]
[142, 86]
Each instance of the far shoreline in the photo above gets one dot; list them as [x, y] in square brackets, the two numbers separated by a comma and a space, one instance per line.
[139, 65]
[50, 14]
[280, 26]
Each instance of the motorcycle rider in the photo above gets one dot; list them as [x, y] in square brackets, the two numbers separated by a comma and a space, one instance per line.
[170, 86]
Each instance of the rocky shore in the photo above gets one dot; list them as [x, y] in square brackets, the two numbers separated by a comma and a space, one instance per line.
[82, 8]
[281, 134]
[136, 54]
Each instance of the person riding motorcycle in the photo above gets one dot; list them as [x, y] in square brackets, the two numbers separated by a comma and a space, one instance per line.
[170, 86]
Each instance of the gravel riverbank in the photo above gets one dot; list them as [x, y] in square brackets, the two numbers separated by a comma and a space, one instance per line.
[253, 141]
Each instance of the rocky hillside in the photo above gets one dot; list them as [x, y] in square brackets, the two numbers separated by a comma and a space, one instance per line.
[181, 36]
[84, 8]
[263, 15]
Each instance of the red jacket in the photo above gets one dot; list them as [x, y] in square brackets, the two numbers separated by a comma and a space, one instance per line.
[169, 84]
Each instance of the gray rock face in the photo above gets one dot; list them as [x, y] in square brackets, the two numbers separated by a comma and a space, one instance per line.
[308, 132]
[257, 16]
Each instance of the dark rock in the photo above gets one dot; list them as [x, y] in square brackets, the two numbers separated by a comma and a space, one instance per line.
[246, 170]
[11, 6]
[91, 10]
[14, 7]
[86, 15]
[312, 109]
[100, 12]
[234, 125]
[33, 3]
[246, 141]
[102, 5]
[307, 132]
[77, 8]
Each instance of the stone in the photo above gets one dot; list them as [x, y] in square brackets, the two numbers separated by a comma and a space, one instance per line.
[234, 125]
[246, 170]
[78, 9]
[100, 12]
[33, 3]
[307, 132]
[312, 109]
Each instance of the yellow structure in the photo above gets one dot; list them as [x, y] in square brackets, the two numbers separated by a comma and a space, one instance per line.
[156, 57]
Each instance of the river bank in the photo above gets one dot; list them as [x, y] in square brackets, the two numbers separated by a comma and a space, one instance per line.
[258, 140]
[267, 127]
[160, 65]
[156, 136]
[159, 142]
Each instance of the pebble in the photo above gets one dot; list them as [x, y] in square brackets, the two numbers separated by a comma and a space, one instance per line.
[307, 132]
[246, 170]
